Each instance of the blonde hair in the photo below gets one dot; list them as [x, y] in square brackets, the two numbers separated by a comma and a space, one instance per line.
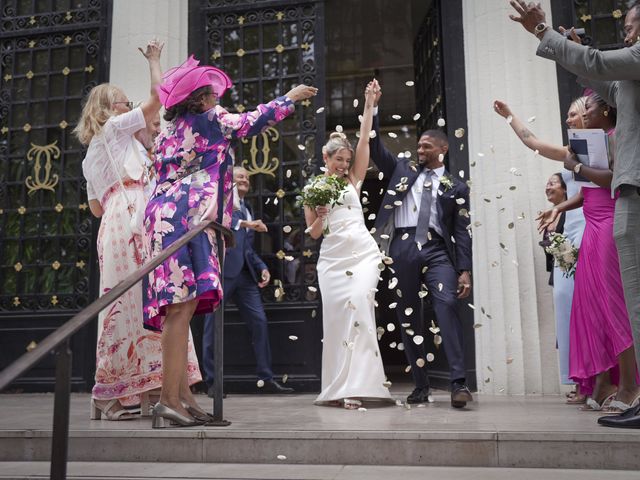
[97, 109]
[580, 104]
[337, 141]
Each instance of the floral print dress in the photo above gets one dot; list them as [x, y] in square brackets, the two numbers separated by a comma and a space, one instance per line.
[194, 168]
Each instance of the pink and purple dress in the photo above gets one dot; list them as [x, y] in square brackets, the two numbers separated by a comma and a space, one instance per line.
[194, 168]
[600, 328]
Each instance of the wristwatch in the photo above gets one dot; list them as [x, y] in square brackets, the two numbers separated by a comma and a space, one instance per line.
[577, 168]
[540, 29]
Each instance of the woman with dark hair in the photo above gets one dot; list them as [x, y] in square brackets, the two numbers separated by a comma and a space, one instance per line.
[572, 227]
[194, 182]
[556, 192]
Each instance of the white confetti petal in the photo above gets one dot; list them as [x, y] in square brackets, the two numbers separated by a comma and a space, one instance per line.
[287, 229]
[355, 103]
[260, 383]
[430, 357]
[420, 362]
[301, 147]
[418, 339]
[393, 135]
[531, 119]
[459, 133]
[401, 346]
[441, 122]
[416, 117]
[409, 83]
[372, 134]
[312, 288]
[393, 305]
[293, 338]
[460, 201]
[391, 327]
[396, 117]
[281, 457]
[408, 311]
[320, 110]
[339, 128]
[441, 158]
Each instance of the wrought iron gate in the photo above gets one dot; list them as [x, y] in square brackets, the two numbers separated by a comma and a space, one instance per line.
[52, 52]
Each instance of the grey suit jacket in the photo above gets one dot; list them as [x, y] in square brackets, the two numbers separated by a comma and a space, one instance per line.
[615, 75]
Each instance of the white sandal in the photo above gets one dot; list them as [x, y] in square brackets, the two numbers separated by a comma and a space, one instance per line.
[121, 414]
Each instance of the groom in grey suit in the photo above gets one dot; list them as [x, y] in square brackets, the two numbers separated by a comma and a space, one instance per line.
[615, 76]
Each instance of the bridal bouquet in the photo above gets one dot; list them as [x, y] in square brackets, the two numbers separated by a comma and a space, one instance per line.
[564, 253]
[323, 190]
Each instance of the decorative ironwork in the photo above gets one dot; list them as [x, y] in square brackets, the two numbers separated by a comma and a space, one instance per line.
[603, 21]
[48, 182]
[268, 165]
[51, 55]
[428, 70]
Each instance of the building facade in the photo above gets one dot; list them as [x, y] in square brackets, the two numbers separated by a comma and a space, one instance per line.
[442, 59]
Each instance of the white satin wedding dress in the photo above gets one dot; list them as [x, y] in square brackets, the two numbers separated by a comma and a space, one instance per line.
[348, 276]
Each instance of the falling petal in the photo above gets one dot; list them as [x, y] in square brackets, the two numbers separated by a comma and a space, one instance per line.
[320, 110]
[372, 134]
[440, 287]
[409, 83]
[437, 340]
[285, 377]
[362, 409]
[392, 283]
[393, 345]
[460, 201]
[260, 383]
[287, 229]
[418, 339]
[416, 117]
[281, 457]
[430, 357]
[293, 338]
[407, 369]
[301, 147]
[396, 117]
[391, 327]
[401, 346]
[531, 119]
[404, 236]
[312, 289]
[380, 176]
[288, 173]
[420, 362]
[392, 135]
[355, 103]
[471, 306]
[461, 173]
[441, 158]
[441, 122]
[393, 305]
[339, 128]
[408, 311]
[459, 133]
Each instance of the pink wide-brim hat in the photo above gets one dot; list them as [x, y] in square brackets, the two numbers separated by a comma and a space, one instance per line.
[178, 82]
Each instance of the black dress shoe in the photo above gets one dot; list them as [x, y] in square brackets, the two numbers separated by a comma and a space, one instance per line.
[460, 395]
[211, 392]
[272, 386]
[419, 395]
[630, 418]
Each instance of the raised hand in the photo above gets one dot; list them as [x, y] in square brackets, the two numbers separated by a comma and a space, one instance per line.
[531, 14]
[572, 34]
[501, 108]
[153, 50]
[546, 218]
[301, 92]
[370, 95]
[377, 89]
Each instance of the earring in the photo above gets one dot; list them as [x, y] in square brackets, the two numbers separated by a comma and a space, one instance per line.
[605, 113]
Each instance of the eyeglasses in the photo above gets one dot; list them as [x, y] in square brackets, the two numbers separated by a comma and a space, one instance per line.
[128, 104]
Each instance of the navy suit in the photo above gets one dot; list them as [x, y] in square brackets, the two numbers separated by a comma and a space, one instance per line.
[444, 256]
[242, 272]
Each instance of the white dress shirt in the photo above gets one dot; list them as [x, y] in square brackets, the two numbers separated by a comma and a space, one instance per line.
[406, 215]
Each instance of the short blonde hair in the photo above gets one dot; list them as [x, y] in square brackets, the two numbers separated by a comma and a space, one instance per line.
[580, 104]
[337, 141]
[97, 109]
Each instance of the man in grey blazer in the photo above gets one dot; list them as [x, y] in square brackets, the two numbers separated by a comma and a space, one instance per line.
[615, 75]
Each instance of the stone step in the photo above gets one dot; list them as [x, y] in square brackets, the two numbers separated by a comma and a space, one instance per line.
[237, 471]
[522, 432]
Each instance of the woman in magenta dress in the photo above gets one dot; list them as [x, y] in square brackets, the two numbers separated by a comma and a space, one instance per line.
[601, 343]
[194, 181]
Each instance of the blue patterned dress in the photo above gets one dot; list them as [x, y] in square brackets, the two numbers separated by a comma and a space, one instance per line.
[194, 168]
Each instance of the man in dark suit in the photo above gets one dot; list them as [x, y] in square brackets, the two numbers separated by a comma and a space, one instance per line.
[422, 225]
[244, 274]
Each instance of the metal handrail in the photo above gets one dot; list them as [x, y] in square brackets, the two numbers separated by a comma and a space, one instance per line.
[58, 342]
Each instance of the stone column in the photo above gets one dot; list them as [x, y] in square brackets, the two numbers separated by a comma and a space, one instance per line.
[515, 344]
[134, 23]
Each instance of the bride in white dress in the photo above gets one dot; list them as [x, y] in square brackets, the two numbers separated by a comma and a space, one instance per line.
[348, 273]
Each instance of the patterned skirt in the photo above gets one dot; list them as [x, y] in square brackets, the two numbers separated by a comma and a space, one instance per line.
[128, 357]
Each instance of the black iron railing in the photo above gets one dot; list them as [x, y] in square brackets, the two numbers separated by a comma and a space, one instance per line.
[58, 343]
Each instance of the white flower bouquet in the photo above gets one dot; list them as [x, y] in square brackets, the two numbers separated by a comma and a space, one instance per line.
[564, 253]
[323, 190]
